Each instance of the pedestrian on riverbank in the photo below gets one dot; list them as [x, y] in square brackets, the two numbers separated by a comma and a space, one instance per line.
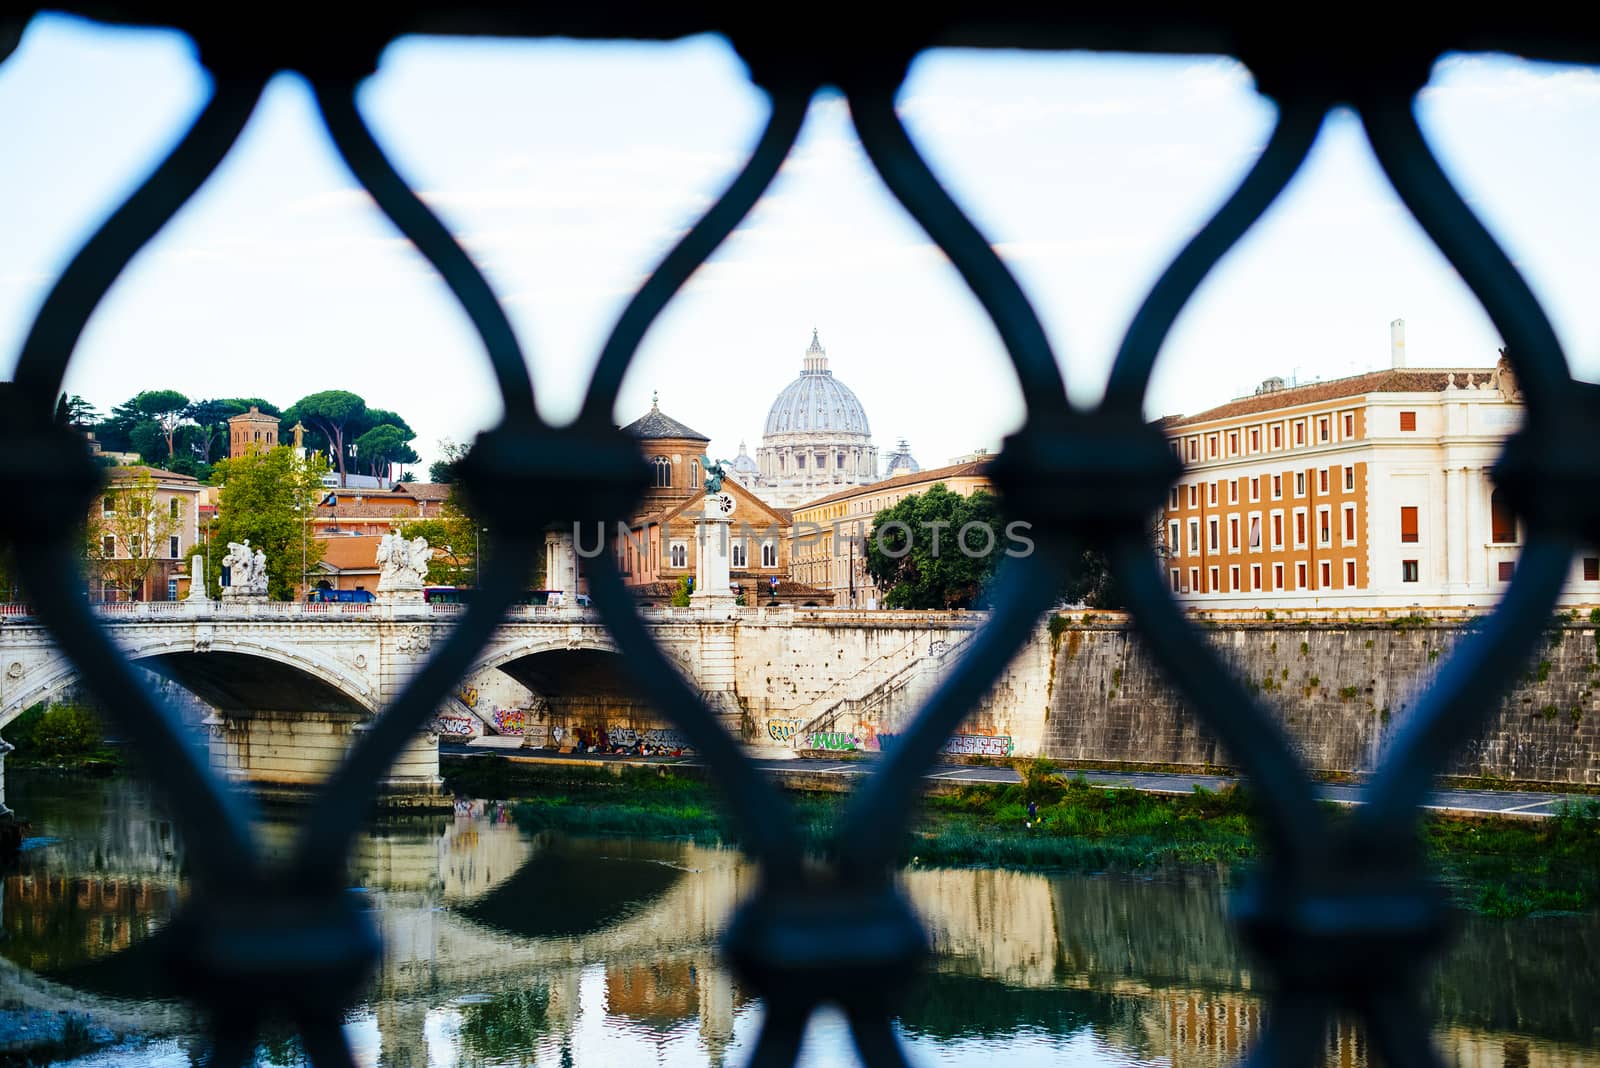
[1033, 813]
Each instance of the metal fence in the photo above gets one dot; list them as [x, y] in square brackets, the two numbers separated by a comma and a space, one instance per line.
[1342, 914]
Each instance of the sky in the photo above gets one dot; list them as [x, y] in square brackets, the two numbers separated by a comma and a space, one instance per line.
[567, 170]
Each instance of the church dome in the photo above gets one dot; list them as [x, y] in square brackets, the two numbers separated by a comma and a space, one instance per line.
[816, 402]
[901, 462]
[744, 465]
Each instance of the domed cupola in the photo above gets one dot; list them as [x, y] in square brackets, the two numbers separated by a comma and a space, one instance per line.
[817, 401]
[817, 439]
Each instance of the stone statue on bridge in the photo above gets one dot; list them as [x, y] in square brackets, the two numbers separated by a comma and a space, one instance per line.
[403, 567]
[247, 571]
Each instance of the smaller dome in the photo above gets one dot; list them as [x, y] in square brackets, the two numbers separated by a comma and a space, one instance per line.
[901, 462]
[744, 466]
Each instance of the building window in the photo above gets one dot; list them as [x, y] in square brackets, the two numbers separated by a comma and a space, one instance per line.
[1502, 520]
[769, 554]
[1215, 582]
[172, 547]
[1322, 481]
[1349, 524]
[1194, 580]
[108, 546]
[1172, 538]
[1211, 489]
[1177, 582]
[1591, 569]
[1213, 535]
[1300, 575]
[1233, 443]
[1194, 536]
[1172, 499]
[135, 546]
[108, 505]
[1255, 576]
[1300, 433]
[1277, 437]
[678, 554]
[1211, 446]
[694, 474]
[1506, 567]
[1324, 526]
[1255, 490]
[1255, 440]
[1409, 571]
[1277, 576]
[1277, 487]
[1194, 450]
[1233, 534]
[1349, 479]
[1233, 578]
[1299, 483]
[663, 472]
[1233, 491]
[737, 553]
[172, 589]
[1327, 575]
[1408, 523]
[1408, 420]
[175, 506]
[1349, 574]
[1277, 530]
[1349, 425]
[1194, 496]
[1323, 433]
[1300, 529]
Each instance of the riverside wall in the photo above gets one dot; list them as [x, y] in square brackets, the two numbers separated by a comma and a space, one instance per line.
[1341, 690]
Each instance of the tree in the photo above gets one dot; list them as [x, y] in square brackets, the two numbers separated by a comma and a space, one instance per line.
[914, 552]
[211, 422]
[149, 441]
[130, 532]
[382, 446]
[268, 497]
[332, 413]
[167, 408]
[451, 453]
[72, 410]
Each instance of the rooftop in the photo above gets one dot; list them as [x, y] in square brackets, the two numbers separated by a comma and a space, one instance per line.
[1388, 380]
[656, 426]
[974, 469]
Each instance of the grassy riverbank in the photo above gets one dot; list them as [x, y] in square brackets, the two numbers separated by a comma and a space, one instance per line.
[1498, 867]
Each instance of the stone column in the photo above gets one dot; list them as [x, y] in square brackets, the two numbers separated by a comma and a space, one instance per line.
[1476, 501]
[713, 536]
[1455, 529]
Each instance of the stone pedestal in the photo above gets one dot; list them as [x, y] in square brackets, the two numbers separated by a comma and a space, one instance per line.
[713, 540]
[197, 579]
[400, 592]
[561, 565]
[239, 595]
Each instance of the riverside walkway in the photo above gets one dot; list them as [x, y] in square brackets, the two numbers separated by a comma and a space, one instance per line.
[1521, 804]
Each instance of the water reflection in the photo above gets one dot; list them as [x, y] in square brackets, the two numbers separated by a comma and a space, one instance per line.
[509, 947]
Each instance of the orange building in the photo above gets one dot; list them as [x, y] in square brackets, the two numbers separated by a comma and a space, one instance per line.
[252, 431]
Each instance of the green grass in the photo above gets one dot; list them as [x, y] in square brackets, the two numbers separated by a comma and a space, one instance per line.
[1499, 868]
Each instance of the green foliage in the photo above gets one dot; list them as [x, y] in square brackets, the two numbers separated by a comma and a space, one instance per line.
[506, 1026]
[1058, 626]
[680, 594]
[451, 453]
[1594, 616]
[55, 734]
[1305, 648]
[166, 408]
[330, 416]
[382, 446]
[1346, 693]
[913, 556]
[268, 497]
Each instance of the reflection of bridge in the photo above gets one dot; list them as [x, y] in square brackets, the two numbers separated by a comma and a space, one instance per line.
[288, 683]
[472, 906]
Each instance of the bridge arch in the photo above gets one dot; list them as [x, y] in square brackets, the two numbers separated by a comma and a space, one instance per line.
[582, 680]
[232, 674]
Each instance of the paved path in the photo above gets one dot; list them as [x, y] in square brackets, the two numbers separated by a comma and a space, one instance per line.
[1465, 802]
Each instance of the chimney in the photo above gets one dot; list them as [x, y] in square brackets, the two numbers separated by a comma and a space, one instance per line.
[1397, 344]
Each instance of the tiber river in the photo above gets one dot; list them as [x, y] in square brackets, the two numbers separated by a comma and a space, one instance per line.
[509, 947]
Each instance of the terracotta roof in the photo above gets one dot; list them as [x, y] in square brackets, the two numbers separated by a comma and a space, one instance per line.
[1410, 380]
[426, 491]
[140, 471]
[974, 468]
[355, 553]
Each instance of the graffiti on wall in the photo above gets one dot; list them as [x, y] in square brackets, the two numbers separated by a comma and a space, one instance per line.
[835, 741]
[469, 696]
[781, 730]
[456, 726]
[511, 720]
[989, 745]
[655, 737]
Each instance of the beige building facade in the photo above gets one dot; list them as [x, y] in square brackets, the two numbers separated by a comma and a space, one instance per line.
[830, 532]
[143, 529]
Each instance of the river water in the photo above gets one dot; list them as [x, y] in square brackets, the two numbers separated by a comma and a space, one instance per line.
[512, 947]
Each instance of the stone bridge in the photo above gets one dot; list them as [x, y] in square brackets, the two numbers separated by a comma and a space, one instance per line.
[282, 687]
